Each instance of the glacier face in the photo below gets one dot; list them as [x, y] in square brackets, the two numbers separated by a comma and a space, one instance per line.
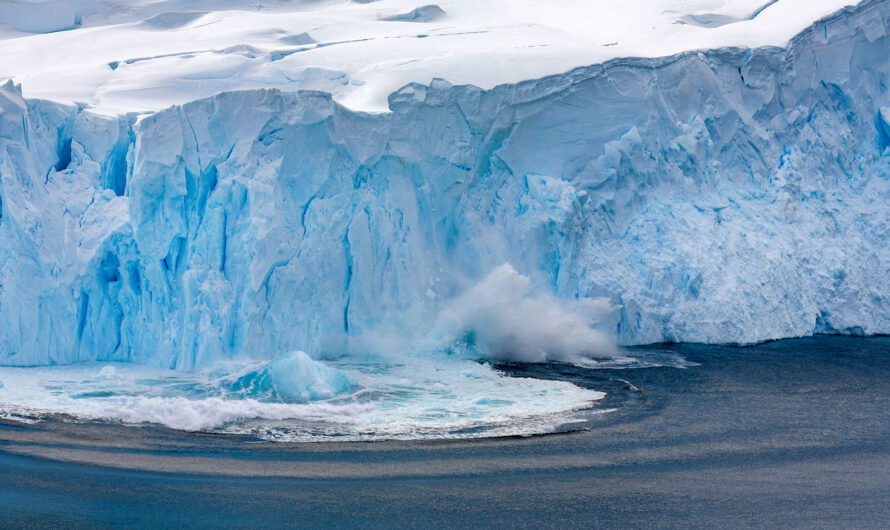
[734, 195]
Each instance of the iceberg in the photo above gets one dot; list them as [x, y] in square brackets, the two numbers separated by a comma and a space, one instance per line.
[727, 196]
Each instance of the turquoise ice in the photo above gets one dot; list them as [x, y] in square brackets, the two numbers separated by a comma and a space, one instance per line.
[728, 196]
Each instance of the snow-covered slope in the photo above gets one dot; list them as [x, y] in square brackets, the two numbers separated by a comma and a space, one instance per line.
[145, 55]
[734, 195]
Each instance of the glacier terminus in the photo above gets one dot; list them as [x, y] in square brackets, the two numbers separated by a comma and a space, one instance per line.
[732, 191]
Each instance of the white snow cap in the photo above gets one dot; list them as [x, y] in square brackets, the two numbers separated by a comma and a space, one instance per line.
[144, 55]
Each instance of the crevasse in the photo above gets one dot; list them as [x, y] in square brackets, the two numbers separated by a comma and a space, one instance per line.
[726, 196]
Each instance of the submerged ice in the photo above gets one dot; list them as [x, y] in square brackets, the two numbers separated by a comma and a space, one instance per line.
[293, 377]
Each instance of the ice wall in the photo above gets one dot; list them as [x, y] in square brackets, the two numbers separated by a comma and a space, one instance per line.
[724, 196]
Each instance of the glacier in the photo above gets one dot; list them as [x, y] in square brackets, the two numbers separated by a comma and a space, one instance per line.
[734, 195]
[146, 55]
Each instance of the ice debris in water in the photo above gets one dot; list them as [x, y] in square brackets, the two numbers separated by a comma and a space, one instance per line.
[293, 377]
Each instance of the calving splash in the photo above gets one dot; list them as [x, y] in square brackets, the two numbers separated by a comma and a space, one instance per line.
[439, 389]
[503, 319]
[422, 398]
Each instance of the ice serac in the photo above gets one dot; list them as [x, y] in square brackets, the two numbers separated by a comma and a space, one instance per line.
[734, 195]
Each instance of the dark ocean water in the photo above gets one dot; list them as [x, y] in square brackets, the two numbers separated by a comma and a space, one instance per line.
[792, 433]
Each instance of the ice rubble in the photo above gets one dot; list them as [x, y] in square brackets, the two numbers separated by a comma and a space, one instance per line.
[734, 195]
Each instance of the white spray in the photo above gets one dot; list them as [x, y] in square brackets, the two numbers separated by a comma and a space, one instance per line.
[506, 320]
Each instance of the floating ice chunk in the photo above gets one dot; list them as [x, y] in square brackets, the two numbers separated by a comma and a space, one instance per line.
[293, 377]
[108, 372]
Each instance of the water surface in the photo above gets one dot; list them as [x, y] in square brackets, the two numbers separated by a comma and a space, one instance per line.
[792, 433]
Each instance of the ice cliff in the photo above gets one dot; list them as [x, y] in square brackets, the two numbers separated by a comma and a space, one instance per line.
[734, 195]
